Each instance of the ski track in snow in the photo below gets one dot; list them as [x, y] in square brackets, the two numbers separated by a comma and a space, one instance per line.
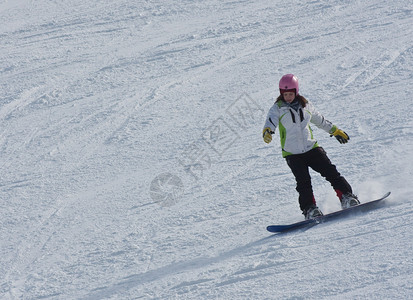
[99, 98]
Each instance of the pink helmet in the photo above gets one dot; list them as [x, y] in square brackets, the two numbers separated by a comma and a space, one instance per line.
[288, 82]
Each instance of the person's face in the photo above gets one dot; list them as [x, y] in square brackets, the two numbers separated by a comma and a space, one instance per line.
[289, 96]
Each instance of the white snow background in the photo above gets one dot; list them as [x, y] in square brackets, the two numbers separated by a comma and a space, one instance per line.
[132, 164]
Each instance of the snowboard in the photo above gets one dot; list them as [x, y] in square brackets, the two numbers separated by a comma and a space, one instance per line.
[334, 215]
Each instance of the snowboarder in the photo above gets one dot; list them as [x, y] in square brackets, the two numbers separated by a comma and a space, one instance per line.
[292, 114]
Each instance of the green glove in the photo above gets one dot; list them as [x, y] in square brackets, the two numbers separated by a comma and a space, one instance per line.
[266, 134]
[340, 135]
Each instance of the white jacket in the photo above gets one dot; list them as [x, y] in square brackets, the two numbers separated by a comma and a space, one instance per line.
[294, 126]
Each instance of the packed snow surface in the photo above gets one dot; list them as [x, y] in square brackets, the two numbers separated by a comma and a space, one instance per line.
[132, 161]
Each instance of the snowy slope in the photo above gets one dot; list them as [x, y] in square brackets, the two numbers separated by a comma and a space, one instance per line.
[132, 162]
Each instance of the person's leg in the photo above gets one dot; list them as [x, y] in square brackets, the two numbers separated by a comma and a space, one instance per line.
[299, 167]
[320, 163]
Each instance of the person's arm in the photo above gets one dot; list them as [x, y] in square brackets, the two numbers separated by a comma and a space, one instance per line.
[321, 122]
[270, 124]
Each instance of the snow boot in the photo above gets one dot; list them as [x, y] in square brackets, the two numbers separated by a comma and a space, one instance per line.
[312, 212]
[349, 200]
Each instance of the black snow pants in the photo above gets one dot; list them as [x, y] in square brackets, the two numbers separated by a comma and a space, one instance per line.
[316, 159]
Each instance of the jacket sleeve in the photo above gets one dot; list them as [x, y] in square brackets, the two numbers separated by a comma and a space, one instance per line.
[272, 118]
[318, 120]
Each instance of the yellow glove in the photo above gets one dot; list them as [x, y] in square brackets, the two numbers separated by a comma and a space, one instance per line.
[266, 134]
[340, 135]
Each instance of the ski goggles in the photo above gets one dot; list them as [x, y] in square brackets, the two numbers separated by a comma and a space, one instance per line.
[282, 91]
